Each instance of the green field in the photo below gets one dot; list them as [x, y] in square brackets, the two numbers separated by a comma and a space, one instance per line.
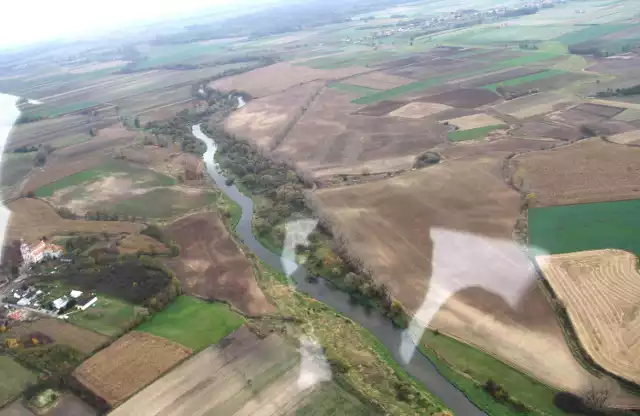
[452, 358]
[13, 379]
[15, 167]
[524, 79]
[144, 178]
[193, 323]
[569, 228]
[590, 33]
[356, 89]
[472, 134]
[330, 399]
[107, 316]
[162, 203]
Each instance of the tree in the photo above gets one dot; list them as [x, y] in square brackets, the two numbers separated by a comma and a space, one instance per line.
[136, 122]
[92, 132]
[598, 392]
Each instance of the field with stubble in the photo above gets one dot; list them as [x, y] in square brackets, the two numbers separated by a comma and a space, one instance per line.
[32, 218]
[127, 365]
[601, 292]
[591, 170]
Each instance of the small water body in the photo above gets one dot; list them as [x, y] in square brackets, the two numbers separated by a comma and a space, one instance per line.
[392, 337]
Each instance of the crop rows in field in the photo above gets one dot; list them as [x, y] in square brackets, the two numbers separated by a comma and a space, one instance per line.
[601, 293]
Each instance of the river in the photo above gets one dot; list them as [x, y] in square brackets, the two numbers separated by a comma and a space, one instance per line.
[392, 337]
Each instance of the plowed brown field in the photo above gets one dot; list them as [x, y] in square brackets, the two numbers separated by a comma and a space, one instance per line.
[591, 170]
[601, 292]
[441, 240]
[279, 77]
[128, 365]
[212, 266]
[32, 218]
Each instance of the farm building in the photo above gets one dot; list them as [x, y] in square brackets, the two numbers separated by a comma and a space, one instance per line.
[37, 252]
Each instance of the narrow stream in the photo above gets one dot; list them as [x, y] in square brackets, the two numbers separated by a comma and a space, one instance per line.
[419, 366]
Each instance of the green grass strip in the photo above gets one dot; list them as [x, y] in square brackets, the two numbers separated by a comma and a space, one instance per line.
[471, 134]
[524, 79]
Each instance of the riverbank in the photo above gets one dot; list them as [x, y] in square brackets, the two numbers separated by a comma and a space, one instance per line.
[466, 367]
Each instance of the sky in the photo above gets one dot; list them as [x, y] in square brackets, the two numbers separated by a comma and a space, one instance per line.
[29, 21]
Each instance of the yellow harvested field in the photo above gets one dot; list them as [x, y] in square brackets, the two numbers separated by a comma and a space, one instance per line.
[378, 81]
[612, 103]
[279, 77]
[629, 137]
[418, 109]
[601, 292]
[630, 114]
[32, 218]
[128, 365]
[474, 121]
[534, 105]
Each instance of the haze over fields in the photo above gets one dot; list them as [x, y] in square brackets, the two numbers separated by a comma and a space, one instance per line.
[464, 180]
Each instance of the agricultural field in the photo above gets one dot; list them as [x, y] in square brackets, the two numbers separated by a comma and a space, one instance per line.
[13, 379]
[60, 332]
[600, 292]
[128, 365]
[134, 243]
[211, 265]
[108, 316]
[192, 322]
[242, 375]
[163, 203]
[474, 133]
[591, 170]
[581, 227]
[30, 219]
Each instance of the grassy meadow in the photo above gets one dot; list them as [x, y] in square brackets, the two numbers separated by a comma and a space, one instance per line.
[193, 323]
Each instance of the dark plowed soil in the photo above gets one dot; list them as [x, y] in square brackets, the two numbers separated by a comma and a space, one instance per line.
[211, 265]
[542, 129]
[599, 110]
[464, 98]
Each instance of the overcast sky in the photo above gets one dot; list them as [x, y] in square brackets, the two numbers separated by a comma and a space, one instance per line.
[28, 21]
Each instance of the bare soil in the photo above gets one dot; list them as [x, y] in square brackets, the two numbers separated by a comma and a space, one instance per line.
[380, 108]
[547, 129]
[212, 266]
[535, 104]
[32, 218]
[630, 138]
[440, 239]
[475, 121]
[127, 365]
[500, 76]
[503, 146]
[378, 81]
[599, 110]
[419, 109]
[590, 170]
[61, 332]
[279, 77]
[601, 291]
[242, 375]
[330, 139]
[267, 120]
[464, 98]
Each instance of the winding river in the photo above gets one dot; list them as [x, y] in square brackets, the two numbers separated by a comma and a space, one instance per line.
[419, 366]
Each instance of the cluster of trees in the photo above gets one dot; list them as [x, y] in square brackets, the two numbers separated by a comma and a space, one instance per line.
[26, 118]
[530, 46]
[500, 394]
[522, 11]
[178, 130]
[156, 233]
[138, 280]
[426, 159]
[620, 92]
[510, 95]
[26, 149]
[601, 50]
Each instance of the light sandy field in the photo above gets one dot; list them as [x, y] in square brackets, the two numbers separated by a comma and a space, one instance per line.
[95, 66]
[590, 170]
[242, 375]
[630, 137]
[267, 120]
[475, 121]
[31, 219]
[601, 292]
[533, 105]
[419, 109]
[279, 77]
[441, 240]
[128, 365]
[378, 81]
[630, 114]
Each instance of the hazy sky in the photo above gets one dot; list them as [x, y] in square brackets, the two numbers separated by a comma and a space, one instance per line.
[27, 21]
